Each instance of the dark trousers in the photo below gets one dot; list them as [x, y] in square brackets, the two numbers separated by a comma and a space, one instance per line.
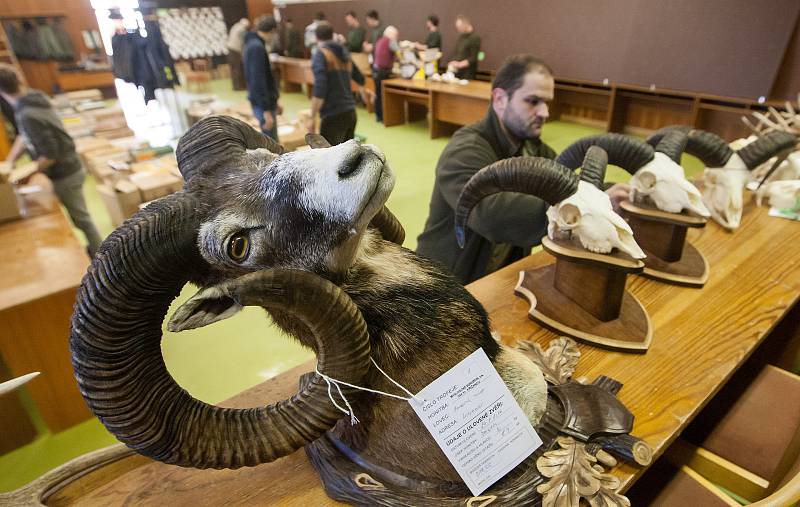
[237, 70]
[338, 128]
[378, 75]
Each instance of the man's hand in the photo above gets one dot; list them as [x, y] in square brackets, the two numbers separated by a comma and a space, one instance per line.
[368, 96]
[618, 192]
[311, 126]
[279, 108]
[269, 121]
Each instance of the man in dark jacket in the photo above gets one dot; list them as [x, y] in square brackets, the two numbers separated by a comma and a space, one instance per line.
[41, 132]
[468, 46]
[262, 89]
[333, 96]
[503, 227]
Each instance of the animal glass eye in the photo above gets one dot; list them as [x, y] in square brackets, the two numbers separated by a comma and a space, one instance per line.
[238, 247]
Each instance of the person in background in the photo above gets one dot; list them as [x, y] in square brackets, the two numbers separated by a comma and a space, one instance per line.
[503, 227]
[52, 149]
[333, 96]
[374, 31]
[310, 34]
[235, 44]
[434, 39]
[383, 57]
[355, 33]
[262, 89]
[468, 45]
[292, 40]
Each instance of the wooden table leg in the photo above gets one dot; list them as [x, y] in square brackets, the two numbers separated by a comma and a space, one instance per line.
[35, 337]
[16, 428]
[393, 107]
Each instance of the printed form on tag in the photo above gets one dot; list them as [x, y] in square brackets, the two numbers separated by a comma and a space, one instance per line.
[476, 421]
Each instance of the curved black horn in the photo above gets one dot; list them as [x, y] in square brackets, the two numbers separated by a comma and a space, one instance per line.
[766, 147]
[711, 149]
[673, 144]
[627, 152]
[389, 226]
[593, 169]
[116, 335]
[540, 177]
[217, 139]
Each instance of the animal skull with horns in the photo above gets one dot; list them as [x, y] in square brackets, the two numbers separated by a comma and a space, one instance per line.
[727, 170]
[578, 207]
[305, 235]
[657, 178]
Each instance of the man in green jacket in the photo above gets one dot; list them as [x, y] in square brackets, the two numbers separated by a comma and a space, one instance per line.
[468, 46]
[355, 33]
[504, 227]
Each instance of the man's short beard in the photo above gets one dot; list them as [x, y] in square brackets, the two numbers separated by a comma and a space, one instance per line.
[516, 127]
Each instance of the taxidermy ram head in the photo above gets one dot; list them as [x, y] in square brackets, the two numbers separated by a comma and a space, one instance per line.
[727, 170]
[577, 205]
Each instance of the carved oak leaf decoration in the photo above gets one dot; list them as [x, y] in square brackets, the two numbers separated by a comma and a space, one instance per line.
[557, 362]
[607, 495]
[575, 474]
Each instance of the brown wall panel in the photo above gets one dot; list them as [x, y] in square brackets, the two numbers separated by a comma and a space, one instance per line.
[787, 84]
[723, 47]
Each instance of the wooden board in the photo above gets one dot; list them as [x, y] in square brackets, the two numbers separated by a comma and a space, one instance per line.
[692, 270]
[703, 336]
[632, 331]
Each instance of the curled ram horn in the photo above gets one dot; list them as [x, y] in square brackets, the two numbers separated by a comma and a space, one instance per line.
[588, 214]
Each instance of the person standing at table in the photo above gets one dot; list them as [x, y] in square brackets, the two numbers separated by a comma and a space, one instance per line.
[262, 89]
[383, 58]
[503, 227]
[375, 31]
[468, 45]
[310, 34]
[333, 97]
[434, 38]
[355, 33]
[51, 147]
[235, 44]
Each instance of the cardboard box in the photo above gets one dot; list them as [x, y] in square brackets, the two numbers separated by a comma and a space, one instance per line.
[9, 204]
[153, 185]
[122, 200]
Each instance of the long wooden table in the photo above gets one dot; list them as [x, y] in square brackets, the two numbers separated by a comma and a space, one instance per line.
[295, 72]
[42, 266]
[701, 337]
[448, 105]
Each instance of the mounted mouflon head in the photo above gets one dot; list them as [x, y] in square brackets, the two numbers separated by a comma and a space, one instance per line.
[577, 203]
[287, 232]
[727, 170]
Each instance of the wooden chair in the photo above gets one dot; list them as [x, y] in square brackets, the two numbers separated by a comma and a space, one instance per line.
[667, 486]
[755, 445]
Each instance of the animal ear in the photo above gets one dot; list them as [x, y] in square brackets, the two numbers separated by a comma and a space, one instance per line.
[568, 215]
[209, 305]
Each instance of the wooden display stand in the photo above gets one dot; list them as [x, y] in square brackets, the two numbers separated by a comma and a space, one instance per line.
[662, 236]
[583, 295]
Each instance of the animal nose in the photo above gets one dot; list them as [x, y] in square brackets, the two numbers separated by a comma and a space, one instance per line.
[351, 160]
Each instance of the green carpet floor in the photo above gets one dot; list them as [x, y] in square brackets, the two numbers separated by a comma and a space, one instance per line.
[218, 361]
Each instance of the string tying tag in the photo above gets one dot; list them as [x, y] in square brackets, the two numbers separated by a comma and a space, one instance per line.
[349, 411]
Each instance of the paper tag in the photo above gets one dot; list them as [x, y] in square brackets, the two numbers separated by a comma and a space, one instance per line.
[476, 421]
[752, 186]
[791, 214]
